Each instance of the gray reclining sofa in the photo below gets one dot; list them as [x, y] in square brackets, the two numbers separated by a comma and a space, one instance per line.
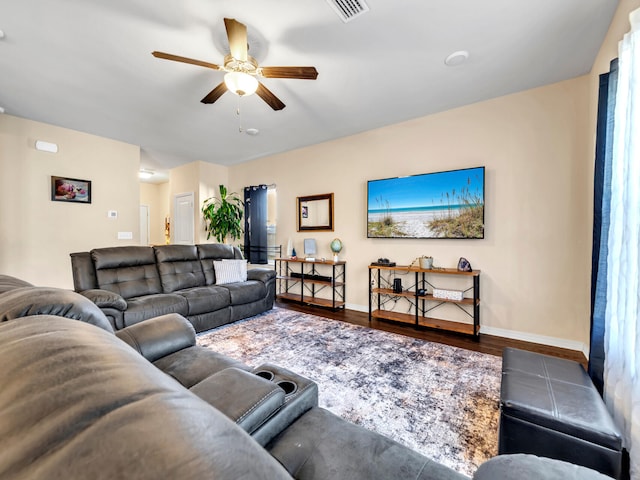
[131, 284]
[80, 400]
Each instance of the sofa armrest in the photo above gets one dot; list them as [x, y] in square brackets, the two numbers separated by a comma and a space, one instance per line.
[160, 336]
[105, 299]
[247, 399]
[262, 274]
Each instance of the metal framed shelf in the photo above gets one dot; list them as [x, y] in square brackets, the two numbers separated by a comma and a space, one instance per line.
[421, 305]
[302, 281]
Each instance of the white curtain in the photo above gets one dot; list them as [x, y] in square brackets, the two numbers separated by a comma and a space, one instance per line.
[622, 315]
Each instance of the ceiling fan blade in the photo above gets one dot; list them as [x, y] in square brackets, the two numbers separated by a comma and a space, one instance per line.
[305, 73]
[215, 94]
[237, 35]
[176, 58]
[265, 94]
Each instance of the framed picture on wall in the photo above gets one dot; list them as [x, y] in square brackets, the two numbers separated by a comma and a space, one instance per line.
[65, 189]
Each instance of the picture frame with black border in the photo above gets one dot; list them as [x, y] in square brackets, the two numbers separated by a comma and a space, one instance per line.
[73, 190]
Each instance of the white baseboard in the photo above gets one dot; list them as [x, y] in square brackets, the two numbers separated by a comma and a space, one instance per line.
[534, 338]
[357, 308]
[513, 335]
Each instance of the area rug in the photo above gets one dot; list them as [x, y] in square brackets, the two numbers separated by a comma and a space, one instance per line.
[439, 400]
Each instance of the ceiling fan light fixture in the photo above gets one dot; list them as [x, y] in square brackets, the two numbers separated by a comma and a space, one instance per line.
[242, 84]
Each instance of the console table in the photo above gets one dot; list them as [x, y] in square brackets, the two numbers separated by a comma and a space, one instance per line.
[312, 282]
[421, 303]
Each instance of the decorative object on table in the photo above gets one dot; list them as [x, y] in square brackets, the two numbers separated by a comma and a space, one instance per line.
[289, 248]
[457, 295]
[70, 190]
[223, 216]
[384, 262]
[293, 253]
[310, 249]
[464, 265]
[426, 262]
[336, 247]
[167, 230]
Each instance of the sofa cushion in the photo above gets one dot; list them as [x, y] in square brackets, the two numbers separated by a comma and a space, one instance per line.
[321, 445]
[208, 252]
[149, 306]
[246, 292]
[179, 267]
[205, 299]
[127, 271]
[84, 272]
[77, 403]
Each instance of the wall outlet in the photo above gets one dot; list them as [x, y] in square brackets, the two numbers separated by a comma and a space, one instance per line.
[125, 235]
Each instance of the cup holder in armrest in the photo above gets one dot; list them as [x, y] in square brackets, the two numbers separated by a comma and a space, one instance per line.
[287, 386]
[265, 374]
[300, 395]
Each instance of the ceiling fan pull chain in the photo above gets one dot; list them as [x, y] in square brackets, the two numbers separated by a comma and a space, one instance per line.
[239, 116]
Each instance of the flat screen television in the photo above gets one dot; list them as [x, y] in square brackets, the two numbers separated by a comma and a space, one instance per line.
[431, 205]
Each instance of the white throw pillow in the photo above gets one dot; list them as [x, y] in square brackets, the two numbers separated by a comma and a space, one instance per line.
[241, 265]
[230, 271]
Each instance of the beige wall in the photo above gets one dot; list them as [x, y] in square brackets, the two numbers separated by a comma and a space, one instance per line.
[36, 234]
[535, 258]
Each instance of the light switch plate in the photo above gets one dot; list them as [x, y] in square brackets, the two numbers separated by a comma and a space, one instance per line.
[125, 235]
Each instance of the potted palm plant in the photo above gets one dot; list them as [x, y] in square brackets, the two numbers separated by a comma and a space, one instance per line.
[223, 215]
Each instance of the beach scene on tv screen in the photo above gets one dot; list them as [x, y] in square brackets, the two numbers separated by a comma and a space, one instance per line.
[434, 205]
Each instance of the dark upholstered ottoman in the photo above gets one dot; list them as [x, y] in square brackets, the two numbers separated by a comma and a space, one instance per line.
[550, 407]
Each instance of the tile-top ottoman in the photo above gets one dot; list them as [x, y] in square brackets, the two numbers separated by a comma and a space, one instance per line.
[549, 407]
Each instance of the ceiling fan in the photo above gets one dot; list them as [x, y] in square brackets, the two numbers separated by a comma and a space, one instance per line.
[243, 70]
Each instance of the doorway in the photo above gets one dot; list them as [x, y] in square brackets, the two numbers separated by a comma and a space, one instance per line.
[183, 223]
[144, 224]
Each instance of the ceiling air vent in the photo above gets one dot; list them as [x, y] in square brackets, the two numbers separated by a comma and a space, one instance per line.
[347, 10]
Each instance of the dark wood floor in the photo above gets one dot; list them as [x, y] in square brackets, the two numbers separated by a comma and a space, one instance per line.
[485, 343]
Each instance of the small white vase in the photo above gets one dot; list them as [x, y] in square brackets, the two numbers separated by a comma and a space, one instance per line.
[426, 262]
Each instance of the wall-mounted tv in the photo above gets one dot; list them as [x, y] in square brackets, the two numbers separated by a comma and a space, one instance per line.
[432, 205]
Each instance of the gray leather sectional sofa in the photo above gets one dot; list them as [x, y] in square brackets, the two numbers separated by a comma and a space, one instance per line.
[131, 284]
[80, 400]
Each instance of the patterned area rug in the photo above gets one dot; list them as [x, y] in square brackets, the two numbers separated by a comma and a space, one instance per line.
[439, 400]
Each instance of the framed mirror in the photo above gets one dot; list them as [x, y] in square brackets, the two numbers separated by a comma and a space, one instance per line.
[315, 212]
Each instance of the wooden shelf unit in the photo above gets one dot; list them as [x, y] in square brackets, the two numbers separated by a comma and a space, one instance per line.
[303, 276]
[420, 305]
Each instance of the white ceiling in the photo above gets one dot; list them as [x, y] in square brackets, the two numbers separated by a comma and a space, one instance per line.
[87, 65]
